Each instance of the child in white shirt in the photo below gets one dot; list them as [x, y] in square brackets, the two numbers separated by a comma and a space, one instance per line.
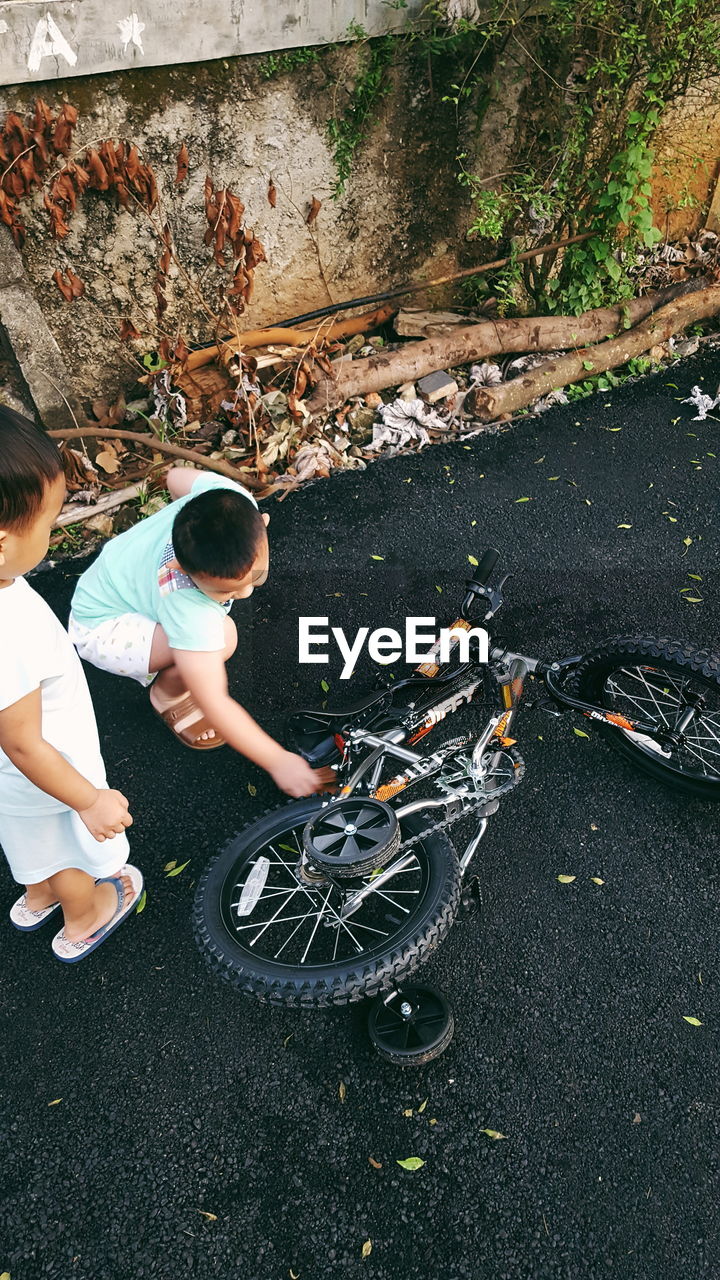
[61, 828]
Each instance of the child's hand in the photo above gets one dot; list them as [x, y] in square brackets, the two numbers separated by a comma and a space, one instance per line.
[294, 776]
[108, 816]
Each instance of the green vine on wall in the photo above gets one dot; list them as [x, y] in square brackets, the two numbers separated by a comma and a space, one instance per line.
[599, 75]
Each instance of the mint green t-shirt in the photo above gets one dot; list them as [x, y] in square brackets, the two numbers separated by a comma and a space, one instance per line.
[131, 575]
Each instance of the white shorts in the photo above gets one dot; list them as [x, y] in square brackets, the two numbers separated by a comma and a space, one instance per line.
[40, 845]
[120, 645]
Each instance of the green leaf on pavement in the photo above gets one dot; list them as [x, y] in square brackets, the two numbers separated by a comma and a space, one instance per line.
[412, 1163]
[176, 871]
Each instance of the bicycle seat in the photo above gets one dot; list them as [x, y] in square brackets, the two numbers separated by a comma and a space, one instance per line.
[312, 732]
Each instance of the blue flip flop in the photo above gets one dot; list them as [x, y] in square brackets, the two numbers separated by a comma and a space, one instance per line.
[26, 920]
[71, 952]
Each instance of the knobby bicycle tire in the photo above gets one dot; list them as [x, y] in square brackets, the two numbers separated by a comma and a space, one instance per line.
[681, 662]
[353, 979]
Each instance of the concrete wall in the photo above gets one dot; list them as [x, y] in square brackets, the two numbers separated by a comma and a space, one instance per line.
[54, 39]
[398, 217]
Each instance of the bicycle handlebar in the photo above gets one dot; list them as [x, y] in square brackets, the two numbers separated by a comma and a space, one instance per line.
[479, 586]
[483, 573]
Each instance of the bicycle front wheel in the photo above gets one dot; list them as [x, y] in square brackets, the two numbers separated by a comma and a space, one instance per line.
[671, 683]
[282, 939]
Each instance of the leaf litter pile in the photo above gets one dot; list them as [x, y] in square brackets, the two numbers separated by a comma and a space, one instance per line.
[254, 404]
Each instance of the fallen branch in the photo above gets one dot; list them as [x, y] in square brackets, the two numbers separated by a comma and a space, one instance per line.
[291, 337]
[162, 446]
[417, 286]
[478, 341]
[490, 403]
[75, 513]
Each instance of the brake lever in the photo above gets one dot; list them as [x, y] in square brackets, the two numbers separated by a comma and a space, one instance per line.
[493, 596]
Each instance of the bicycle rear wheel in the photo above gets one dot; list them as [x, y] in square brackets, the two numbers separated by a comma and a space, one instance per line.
[662, 680]
[280, 938]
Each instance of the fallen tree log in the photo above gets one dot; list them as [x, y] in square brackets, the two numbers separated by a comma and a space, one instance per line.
[465, 343]
[290, 337]
[490, 403]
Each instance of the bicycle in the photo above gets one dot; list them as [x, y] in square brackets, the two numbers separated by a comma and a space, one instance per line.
[341, 896]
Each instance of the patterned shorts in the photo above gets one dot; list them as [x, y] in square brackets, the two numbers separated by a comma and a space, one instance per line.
[120, 645]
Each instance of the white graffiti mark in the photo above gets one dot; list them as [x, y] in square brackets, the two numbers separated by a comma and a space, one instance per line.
[131, 29]
[49, 41]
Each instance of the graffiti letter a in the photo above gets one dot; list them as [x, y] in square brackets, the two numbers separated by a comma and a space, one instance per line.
[48, 41]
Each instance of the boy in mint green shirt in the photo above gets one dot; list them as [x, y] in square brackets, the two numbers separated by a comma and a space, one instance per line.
[155, 606]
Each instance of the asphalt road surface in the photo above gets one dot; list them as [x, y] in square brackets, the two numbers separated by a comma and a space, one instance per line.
[156, 1123]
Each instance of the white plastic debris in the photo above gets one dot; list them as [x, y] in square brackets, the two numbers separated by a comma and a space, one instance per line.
[702, 402]
[548, 401]
[458, 11]
[168, 405]
[486, 374]
[404, 423]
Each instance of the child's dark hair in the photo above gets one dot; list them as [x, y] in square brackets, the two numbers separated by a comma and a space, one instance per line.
[218, 533]
[29, 462]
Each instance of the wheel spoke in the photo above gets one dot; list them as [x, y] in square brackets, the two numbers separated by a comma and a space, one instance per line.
[295, 923]
[303, 958]
[666, 697]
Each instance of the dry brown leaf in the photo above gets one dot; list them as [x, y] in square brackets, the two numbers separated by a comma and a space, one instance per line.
[183, 164]
[63, 285]
[314, 210]
[76, 284]
[272, 194]
[97, 171]
[108, 461]
[128, 332]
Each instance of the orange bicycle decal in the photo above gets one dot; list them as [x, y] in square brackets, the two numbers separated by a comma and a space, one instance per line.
[614, 718]
[430, 669]
[502, 726]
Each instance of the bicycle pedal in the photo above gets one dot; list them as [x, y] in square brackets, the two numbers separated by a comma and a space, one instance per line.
[471, 898]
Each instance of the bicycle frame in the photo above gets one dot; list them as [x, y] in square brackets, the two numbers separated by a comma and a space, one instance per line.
[502, 680]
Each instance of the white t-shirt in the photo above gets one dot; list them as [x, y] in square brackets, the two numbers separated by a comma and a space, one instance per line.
[36, 652]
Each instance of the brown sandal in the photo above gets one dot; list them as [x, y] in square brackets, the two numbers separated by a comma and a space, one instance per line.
[186, 726]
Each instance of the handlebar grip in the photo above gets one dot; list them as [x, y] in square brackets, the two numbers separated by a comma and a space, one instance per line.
[485, 568]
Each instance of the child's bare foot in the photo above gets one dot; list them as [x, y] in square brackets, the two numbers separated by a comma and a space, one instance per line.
[105, 906]
[38, 897]
[184, 718]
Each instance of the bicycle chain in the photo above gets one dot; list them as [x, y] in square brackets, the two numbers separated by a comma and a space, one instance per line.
[467, 810]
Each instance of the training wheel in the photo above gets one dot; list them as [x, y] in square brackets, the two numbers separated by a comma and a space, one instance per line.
[352, 837]
[411, 1026]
